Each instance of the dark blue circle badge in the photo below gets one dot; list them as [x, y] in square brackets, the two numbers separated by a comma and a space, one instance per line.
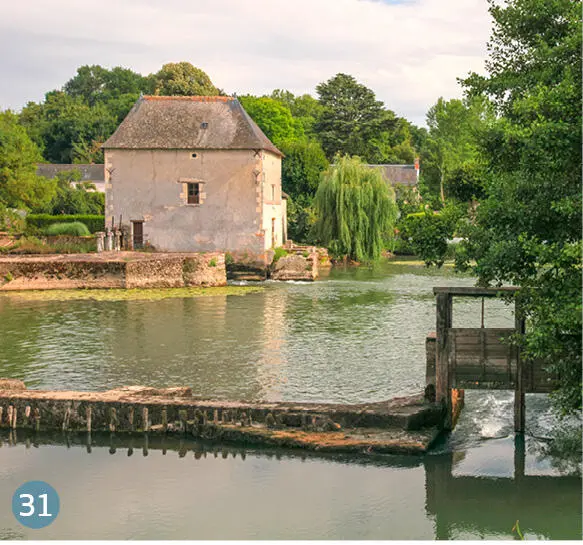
[35, 504]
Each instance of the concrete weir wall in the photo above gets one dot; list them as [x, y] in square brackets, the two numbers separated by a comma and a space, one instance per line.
[112, 270]
[403, 425]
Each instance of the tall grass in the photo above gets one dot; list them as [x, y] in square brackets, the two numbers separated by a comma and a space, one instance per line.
[74, 228]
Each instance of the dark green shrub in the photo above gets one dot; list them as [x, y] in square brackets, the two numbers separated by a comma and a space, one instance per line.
[93, 222]
[427, 233]
[75, 228]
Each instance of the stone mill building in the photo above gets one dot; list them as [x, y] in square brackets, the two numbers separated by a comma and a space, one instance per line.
[195, 174]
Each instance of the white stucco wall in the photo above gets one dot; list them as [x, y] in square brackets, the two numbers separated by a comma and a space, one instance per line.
[273, 203]
[237, 206]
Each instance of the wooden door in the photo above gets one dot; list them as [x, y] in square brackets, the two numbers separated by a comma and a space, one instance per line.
[138, 234]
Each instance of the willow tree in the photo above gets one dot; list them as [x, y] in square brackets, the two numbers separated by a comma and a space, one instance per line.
[356, 210]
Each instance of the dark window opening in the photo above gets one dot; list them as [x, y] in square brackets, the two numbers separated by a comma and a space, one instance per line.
[193, 193]
[194, 155]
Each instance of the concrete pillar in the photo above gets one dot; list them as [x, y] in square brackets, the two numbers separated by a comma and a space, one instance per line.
[99, 237]
[109, 241]
[117, 239]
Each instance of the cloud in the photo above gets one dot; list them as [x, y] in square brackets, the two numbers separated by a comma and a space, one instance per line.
[409, 52]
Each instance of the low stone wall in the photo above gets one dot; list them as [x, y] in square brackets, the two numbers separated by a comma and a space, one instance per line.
[405, 425]
[111, 270]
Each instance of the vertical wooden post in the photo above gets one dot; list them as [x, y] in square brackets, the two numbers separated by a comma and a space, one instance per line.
[442, 378]
[519, 457]
[519, 401]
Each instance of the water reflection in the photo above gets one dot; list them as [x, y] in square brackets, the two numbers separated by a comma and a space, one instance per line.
[398, 497]
[357, 335]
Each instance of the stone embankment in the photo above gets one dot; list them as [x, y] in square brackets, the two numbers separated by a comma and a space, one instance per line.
[112, 270]
[399, 426]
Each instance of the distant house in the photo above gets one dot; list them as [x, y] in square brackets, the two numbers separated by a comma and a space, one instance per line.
[400, 174]
[89, 173]
[195, 174]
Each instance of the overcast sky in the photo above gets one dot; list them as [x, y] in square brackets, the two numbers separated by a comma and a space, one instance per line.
[408, 51]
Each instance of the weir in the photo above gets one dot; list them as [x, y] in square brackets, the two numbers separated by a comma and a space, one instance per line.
[399, 426]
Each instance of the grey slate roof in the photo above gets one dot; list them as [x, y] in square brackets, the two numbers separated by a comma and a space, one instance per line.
[89, 173]
[398, 174]
[177, 122]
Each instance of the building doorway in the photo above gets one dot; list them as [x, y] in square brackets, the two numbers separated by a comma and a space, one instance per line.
[138, 234]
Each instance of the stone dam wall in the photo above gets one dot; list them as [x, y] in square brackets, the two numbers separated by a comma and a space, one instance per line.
[112, 270]
[403, 425]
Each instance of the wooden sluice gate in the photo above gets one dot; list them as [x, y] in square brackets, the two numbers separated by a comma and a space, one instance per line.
[479, 358]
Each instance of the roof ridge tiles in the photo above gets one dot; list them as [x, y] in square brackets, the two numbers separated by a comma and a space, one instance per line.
[194, 98]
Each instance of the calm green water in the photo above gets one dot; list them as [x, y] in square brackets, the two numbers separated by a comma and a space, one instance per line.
[357, 335]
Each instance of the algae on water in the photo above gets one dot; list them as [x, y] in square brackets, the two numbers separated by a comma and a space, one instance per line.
[128, 294]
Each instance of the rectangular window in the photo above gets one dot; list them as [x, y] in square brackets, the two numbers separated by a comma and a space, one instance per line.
[193, 193]
[272, 193]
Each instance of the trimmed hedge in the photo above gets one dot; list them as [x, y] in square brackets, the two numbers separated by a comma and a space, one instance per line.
[94, 222]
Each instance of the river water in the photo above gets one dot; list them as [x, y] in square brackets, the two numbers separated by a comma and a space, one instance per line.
[355, 335]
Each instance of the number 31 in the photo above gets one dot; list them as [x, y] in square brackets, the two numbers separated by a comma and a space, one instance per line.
[30, 505]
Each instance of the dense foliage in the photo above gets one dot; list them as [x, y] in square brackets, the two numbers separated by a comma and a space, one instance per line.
[74, 197]
[356, 210]
[41, 222]
[528, 228]
[352, 121]
[20, 187]
[301, 171]
[274, 118]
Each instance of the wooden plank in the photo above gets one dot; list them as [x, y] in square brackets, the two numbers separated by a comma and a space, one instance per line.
[473, 291]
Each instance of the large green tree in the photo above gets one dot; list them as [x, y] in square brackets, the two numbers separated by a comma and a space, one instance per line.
[94, 84]
[351, 117]
[301, 171]
[451, 141]
[273, 117]
[305, 108]
[355, 210]
[20, 187]
[66, 126]
[182, 78]
[528, 229]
